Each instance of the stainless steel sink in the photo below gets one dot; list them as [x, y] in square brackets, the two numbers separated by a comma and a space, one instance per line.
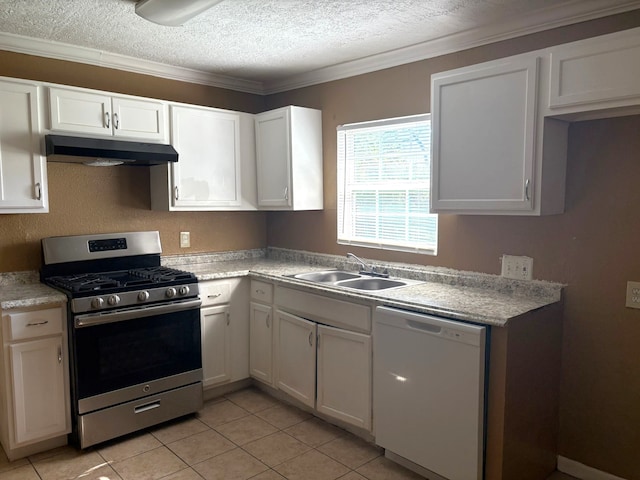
[372, 283]
[355, 281]
[326, 276]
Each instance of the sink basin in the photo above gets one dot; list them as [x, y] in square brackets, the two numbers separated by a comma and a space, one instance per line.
[373, 283]
[327, 276]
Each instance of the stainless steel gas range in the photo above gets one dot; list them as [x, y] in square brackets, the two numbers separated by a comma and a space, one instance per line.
[134, 332]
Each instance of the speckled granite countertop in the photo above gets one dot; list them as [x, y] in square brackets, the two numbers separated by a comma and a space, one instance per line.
[23, 289]
[474, 297]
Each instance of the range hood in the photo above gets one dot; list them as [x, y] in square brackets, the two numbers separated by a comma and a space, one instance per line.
[105, 151]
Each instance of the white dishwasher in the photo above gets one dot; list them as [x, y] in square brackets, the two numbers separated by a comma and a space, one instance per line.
[428, 393]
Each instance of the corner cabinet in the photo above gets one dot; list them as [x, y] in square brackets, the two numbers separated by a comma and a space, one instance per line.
[35, 380]
[289, 159]
[215, 168]
[96, 113]
[224, 322]
[261, 332]
[23, 174]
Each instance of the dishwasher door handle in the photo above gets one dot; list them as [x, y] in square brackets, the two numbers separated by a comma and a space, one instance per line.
[425, 327]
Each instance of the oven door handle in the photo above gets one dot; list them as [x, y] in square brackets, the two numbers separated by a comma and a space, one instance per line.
[92, 319]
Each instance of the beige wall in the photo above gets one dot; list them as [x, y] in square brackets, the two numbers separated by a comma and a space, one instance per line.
[591, 247]
[97, 200]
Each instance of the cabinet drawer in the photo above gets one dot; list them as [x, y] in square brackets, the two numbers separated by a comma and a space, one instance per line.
[337, 313]
[36, 323]
[214, 293]
[261, 291]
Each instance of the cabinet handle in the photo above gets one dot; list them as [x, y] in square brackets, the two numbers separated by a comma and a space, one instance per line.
[268, 326]
[228, 319]
[116, 122]
[286, 193]
[38, 191]
[107, 121]
[259, 292]
[59, 354]
[310, 339]
[526, 189]
[35, 324]
[214, 296]
[175, 192]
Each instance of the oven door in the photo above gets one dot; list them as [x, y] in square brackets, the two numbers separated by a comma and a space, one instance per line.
[131, 353]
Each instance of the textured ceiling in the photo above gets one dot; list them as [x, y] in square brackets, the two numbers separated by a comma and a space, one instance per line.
[267, 41]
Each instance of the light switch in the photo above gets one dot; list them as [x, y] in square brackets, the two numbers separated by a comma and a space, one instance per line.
[185, 239]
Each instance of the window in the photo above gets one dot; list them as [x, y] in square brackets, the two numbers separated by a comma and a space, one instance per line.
[384, 170]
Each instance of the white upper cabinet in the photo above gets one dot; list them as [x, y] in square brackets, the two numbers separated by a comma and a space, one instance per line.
[484, 126]
[23, 174]
[596, 74]
[289, 159]
[95, 113]
[493, 152]
[216, 162]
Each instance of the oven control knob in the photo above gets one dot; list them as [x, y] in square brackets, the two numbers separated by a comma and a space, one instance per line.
[113, 300]
[183, 290]
[171, 292]
[97, 302]
[143, 296]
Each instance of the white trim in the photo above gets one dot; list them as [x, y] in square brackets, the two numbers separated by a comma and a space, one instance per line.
[90, 56]
[552, 17]
[579, 470]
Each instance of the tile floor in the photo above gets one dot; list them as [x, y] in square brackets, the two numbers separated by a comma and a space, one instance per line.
[243, 435]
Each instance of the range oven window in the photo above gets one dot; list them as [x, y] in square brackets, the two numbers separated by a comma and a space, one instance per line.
[116, 355]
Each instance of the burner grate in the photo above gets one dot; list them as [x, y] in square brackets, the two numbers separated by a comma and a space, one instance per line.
[84, 283]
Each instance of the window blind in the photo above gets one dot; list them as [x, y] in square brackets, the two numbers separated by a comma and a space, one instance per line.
[384, 184]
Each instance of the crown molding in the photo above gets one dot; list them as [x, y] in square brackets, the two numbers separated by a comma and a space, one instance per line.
[547, 19]
[564, 14]
[99, 58]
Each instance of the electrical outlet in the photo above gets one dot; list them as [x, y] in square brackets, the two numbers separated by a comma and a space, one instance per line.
[185, 239]
[633, 295]
[519, 268]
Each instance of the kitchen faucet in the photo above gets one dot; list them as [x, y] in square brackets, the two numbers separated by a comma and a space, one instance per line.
[366, 269]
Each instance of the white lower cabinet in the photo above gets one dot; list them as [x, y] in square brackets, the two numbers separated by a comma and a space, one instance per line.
[261, 343]
[344, 387]
[318, 361]
[261, 332]
[295, 356]
[224, 323]
[35, 398]
[216, 339]
[38, 389]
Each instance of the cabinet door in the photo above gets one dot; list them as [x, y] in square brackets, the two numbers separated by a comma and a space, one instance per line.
[143, 119]
[80, 112]
[23, 187]
[273, 156]
[37, 370]
[216, 343]
[483, 134]
[207, 173]
[296, 357]
[261, 342]
[344, 376]
[596, 73]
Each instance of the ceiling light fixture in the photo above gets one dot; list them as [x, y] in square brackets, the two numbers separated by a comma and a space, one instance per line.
[172, 13]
